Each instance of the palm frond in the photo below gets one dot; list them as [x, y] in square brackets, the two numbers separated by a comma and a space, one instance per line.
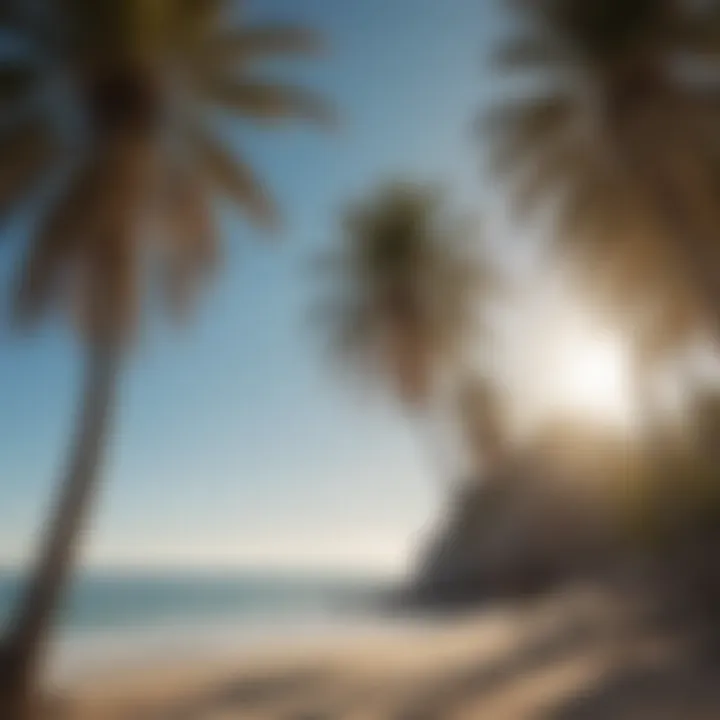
[61, 232]
[201, 14]
[190, 218]
[26, 151]
[589, 213]
[518, 129]
[697, 34]
[233, 178]
[550, 170]
[104, 290]
[17, 81]
[256, 43]
[265, 102]
[192, 24]
[105, 294]
[529, 54]
[22, 20]
[191, 245]
[350, 328]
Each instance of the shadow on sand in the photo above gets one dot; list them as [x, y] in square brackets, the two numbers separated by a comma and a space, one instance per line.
[570, 669]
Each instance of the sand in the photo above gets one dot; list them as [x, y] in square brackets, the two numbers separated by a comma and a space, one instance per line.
[574, 657]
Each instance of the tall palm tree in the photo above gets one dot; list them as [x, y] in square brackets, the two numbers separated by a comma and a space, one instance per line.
[110, 131]
[618, 134]
[405, 293]
[484, 424]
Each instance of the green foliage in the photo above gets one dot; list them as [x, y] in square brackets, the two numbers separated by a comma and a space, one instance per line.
[676, 496]
[623, 149]
[113, 104]
[404, 288]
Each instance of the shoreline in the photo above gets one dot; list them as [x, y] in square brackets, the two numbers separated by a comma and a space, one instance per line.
[90, 653]
[564, 658]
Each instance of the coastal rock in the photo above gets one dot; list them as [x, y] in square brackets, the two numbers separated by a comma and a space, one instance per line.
[529, 525]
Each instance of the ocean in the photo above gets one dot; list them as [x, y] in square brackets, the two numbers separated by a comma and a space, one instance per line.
[112, 617]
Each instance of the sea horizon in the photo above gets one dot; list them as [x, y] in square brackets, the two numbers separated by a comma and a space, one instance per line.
[131, 613]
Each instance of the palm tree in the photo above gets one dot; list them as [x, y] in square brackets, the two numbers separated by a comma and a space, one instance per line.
[484, 424]
[619, 136]
[110, 127]
[405, 293]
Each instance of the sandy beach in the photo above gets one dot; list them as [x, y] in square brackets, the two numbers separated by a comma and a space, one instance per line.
[562, 659]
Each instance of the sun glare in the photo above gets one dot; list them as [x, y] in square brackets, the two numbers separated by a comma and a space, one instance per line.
[565, 361]
[590, 376]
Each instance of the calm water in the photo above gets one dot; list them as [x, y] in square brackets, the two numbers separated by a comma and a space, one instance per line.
[133, 601]
[113, 619]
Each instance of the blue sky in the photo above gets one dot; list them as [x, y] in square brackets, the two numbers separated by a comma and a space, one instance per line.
[236, 441]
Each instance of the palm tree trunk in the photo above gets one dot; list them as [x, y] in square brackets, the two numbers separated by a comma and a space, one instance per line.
[24, 647]
[481, 424]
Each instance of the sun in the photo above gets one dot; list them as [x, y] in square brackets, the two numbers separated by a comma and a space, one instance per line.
[588, 374]
[564, 359]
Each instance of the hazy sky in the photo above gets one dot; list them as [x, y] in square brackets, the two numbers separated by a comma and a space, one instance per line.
[235, 441]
